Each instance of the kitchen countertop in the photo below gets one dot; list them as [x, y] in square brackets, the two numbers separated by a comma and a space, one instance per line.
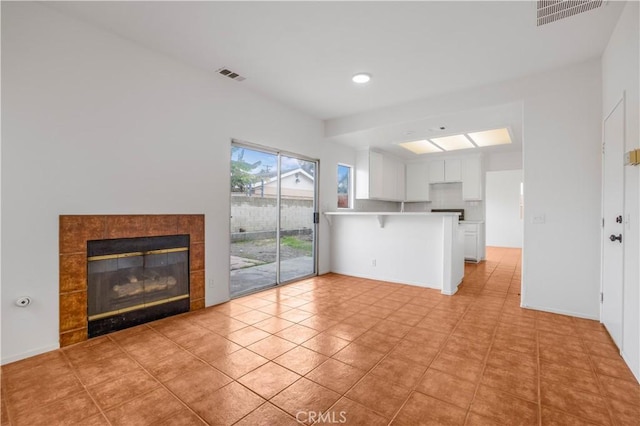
[382, 216]
[392, 213]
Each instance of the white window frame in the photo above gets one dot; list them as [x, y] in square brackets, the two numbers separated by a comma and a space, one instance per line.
[351, 186]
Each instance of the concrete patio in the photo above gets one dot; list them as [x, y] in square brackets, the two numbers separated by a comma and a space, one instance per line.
[251, 278]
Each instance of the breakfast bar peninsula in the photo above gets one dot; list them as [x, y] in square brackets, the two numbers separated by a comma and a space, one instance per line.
[422, 249]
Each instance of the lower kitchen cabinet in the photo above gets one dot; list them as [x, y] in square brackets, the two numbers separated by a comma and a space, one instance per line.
[474, 249]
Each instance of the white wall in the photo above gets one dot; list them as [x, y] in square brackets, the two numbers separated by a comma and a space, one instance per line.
[561, 162]
[503, 224]
[422, 250]
[562, 173]
[332, 155]
[94, 124]
[620, 72]
[510, 160]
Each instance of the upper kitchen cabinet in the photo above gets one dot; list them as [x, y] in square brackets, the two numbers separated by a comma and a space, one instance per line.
[417, 186]
[472, 179]
[449, 170]
[368, 175]
[401, 188]
[379, 177]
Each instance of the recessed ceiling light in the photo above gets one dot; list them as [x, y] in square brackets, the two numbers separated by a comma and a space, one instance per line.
[491, 137]
[420, 147]
[361, 78]
[452, 143]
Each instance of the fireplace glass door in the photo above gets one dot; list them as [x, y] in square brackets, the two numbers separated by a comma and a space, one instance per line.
[136, 280]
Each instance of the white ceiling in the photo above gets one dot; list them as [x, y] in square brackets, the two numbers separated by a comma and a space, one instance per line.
[304, 53]
[386, 138]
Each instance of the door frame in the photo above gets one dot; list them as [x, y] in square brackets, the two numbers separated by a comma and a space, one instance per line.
[603, 237]
[316, 212]
[316, 202]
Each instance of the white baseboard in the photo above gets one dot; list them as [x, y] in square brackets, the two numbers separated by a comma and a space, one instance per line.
[382, 278]
[33, 352]
[634, 371]
[446, 293]
[560, 311]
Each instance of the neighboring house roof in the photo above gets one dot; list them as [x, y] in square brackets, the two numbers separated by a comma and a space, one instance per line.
[286, 174]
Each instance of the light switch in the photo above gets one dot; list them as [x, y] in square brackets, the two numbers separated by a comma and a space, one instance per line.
[539, 219]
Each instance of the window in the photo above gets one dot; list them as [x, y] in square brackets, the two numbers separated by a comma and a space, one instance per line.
[344, 186]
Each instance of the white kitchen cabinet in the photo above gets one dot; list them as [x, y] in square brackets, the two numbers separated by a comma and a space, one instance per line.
[436, 171]
[472, 179]
[449, 170]
[393, 176]
[379, 177]
[389, 178]
[470, 245]
[417, 186]
[474, 249]
[452, 170]
[376, 175]
[369, 177]
[400, 181]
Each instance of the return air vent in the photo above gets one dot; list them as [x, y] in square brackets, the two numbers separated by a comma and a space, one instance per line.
[554, 10]
[228, 73]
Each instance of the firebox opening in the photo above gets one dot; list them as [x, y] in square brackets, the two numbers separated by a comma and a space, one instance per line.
[136, 280]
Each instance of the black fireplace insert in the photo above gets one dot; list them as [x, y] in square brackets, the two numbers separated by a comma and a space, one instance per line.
[136, 280]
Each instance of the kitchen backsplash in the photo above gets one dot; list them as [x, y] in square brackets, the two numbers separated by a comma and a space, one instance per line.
[376, 206]
[449, 196]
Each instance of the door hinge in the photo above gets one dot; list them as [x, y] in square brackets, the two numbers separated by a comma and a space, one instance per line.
[603, 222]
[601, 297]
[316, 217]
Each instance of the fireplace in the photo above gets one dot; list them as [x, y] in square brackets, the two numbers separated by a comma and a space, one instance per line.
[77, 231]
[131, 281]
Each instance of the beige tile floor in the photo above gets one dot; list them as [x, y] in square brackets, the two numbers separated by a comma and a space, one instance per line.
[355, 351]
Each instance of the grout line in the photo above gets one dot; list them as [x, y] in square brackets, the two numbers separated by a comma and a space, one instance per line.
[603, 394]
[486, 357]
[539, 373]
[162, 385]
[3, 399]
[440, 350]
[347, 299]
[86, 390]
[592, 370]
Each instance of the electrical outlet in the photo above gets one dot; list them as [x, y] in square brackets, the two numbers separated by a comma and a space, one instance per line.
[373, 262]
[210, 282]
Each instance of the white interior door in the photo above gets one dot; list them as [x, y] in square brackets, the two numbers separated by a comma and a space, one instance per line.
[613, 238]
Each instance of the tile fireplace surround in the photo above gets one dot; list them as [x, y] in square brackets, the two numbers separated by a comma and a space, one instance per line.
[75, 231]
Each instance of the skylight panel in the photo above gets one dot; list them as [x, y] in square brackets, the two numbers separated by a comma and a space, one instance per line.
[491, 137]
[453, 143]
[420, 147]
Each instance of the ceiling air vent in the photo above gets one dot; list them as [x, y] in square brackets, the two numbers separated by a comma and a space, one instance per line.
[554, 10]
[228, 73]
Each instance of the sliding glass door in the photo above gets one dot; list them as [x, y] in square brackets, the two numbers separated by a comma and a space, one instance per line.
[297, 228]
[273, 205]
